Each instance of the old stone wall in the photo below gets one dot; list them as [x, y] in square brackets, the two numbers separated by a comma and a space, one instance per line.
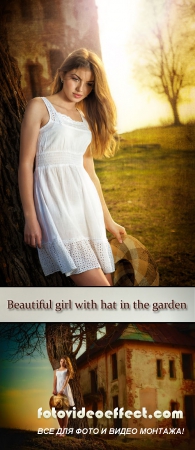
[41, 33]
[158, 391]
[137, 383]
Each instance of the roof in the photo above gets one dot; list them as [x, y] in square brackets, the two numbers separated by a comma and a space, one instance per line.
[157, 333]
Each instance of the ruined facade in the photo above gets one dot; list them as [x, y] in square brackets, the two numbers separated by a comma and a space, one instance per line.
[136, 366]
[41, 33]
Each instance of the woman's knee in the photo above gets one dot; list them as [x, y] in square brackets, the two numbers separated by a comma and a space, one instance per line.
[94, 277]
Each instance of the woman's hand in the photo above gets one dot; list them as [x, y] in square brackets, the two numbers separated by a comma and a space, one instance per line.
[32, 233]
[54, 392]
[61, 392]
[117, 230]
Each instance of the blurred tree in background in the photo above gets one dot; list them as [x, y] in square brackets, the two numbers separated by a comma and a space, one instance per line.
[165, 55]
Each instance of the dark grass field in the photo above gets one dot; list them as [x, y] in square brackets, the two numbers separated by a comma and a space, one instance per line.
[149, 187]
[28, 440]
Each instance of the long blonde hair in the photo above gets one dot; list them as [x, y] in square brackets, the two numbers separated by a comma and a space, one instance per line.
[69, 366]
[98, 107]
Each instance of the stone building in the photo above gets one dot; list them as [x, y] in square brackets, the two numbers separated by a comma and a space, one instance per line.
[140, 365]
[41, 33]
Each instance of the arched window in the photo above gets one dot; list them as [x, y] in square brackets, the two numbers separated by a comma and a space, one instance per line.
[26, 9]
[56, 58]
[35, 71]
[49, 9]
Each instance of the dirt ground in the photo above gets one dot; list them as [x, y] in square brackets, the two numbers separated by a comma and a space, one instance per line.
[29, 440]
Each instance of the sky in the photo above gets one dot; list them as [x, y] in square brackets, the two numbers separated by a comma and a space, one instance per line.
[26, 385]
[119, 21]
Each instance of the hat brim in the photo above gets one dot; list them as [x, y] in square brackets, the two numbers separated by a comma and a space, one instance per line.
[59, 402]
[134, 265]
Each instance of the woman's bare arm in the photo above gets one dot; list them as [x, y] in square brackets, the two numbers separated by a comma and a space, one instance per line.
[117, 230]
[34, 118]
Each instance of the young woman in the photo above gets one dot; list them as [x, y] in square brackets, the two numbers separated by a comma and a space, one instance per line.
[61, 386]
[64, 208]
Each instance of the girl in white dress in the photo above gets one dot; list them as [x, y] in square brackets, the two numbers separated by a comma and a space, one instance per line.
[61, 386]
[66, 216]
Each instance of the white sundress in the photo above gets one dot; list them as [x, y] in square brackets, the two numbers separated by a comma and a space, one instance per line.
[61, 378]
[67, 203]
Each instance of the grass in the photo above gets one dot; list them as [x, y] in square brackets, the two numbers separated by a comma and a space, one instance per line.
[149, 188]
[28, 440]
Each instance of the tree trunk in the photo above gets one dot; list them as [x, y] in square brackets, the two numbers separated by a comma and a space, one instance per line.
[19, 264]
[59, 344]
[174, 106]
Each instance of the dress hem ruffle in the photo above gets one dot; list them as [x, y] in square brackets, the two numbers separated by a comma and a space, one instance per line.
[72, 257]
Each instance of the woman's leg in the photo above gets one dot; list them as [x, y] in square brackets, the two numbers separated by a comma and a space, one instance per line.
[61, 423]
[65, 421]
[109, 278]
[94, 277]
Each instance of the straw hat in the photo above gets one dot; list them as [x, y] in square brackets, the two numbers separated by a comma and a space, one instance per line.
[134, 266]
[59, 402]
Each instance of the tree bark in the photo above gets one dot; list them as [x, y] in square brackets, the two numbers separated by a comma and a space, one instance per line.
[174, 107]
[19, 264]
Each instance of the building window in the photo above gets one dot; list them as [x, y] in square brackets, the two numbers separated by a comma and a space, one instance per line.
[8, 14]
[56, 58]
[49, 9]
[159, 368]
[26, 10]
[175, 421]
[117, 420]
[35, 75]
[172, 369]
[187, 366]
[94, 384]
[189, 405]
[114, 367]
[95, 419]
